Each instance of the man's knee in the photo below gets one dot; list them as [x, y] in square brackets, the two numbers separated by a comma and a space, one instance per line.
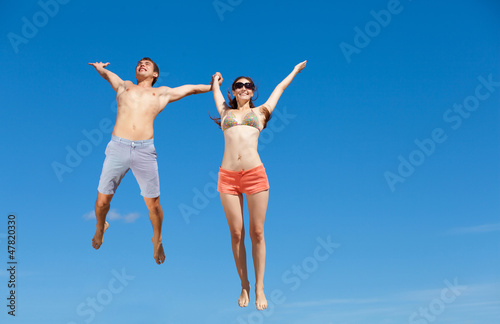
[103, 201]
[156, 209]
[153, 205]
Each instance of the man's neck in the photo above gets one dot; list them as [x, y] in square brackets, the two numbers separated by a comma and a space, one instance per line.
[145, 83]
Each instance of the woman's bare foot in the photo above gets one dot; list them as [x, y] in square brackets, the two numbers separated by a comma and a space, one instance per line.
[98, 236]
[244, 296]
[159, 254]
[260, 298]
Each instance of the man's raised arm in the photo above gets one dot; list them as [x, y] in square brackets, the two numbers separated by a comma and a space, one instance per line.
[174, 94]
[109, 76]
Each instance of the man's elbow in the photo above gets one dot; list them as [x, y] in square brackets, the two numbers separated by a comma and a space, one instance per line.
[105, 76]
[191, 91]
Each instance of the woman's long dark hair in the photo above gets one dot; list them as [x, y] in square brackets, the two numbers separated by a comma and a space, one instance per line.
[233, 104]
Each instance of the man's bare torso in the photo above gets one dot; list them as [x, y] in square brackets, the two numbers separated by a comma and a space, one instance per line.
[137, 109]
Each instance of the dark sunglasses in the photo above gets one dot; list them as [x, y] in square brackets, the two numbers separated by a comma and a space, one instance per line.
[248, 85]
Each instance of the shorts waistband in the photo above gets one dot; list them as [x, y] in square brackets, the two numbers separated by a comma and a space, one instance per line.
[132, 143]
[260, 166]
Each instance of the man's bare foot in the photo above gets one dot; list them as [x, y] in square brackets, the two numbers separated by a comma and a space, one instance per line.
[244, 296]
[260, 298]
[99, 233]
[159, 254]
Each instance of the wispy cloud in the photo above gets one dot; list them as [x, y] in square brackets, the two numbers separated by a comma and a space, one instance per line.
[326, 302]
[475, 229]
[483, 294]
[474, 300]
[114, 215]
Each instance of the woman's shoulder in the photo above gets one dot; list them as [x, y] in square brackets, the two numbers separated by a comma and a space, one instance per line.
[261, 110]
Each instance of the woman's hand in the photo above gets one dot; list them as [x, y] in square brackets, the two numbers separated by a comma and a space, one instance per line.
[217, 77]
[299, 67]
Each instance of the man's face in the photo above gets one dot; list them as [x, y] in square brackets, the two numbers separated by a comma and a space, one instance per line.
[145, 68]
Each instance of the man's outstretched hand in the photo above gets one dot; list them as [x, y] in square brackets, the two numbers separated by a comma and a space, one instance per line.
[99, 65]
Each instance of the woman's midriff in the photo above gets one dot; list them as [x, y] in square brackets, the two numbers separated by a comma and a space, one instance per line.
[240, 150]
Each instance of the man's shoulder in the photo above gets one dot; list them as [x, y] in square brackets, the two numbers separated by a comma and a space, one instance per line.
[126, 84]
[163, 90]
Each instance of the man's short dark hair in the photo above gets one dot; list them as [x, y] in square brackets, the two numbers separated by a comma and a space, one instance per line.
[156, 68]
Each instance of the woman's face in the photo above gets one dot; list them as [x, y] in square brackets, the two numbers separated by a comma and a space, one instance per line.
[241, 89]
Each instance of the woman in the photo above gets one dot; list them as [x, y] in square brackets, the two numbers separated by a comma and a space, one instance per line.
[242, 172]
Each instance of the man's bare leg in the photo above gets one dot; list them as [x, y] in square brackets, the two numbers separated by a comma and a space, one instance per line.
[156, 217]
[102, 205]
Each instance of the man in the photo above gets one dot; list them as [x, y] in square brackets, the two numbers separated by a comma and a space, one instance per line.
[131, 145]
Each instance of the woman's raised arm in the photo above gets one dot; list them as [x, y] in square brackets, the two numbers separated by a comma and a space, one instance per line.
[220, 103]
[271, 103]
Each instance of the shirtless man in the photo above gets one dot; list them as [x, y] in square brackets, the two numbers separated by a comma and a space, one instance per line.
[131, 145]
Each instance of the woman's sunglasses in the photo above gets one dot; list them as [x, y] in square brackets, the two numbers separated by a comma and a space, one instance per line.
[248, 85]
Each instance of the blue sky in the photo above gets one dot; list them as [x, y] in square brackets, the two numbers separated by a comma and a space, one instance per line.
[382, 156]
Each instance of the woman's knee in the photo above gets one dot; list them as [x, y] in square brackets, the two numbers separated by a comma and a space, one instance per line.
[257, 234]
[237, 235]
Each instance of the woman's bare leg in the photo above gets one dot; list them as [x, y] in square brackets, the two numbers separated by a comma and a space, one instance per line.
[257, 207]
[233, 207]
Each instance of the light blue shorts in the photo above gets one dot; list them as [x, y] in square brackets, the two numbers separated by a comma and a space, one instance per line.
[138, 156]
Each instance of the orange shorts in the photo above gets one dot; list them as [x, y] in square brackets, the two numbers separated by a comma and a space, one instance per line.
[249, 181]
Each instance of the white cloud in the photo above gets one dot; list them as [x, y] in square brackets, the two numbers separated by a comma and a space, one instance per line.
[114, 215]
[476, 229]
[130, 218]
[89, 215]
